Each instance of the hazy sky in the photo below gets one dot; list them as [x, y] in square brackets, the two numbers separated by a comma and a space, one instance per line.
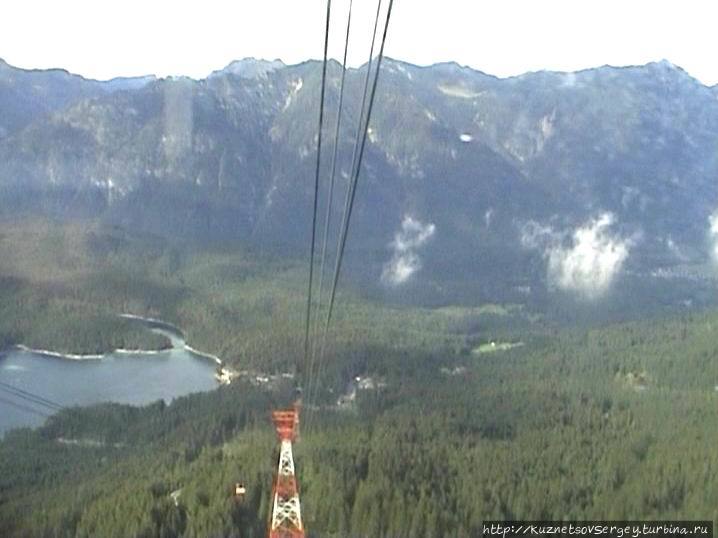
[103, 39]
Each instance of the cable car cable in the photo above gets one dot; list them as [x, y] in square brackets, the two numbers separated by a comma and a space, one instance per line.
[29, 399]
[351, 174]
[312, 364]
[365, 93]
[330, 195]
[357, 171]
[18, 389]
[11, 389]
[23, 407]
[316, 186]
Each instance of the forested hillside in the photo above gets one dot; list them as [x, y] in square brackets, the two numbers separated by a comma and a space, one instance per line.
[465, 413]
[65, 284]
[613, 423]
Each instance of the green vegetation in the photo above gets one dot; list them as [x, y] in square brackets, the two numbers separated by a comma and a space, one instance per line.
[553, 432]
[63, 286]
[56, 294]
[557, 428]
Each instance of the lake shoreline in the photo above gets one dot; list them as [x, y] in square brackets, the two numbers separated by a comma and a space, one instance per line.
[158, 323]
[178, 331]
[57, 354]
[125, 376]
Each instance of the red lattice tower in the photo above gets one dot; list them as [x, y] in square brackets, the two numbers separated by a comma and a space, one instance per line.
[286, 521]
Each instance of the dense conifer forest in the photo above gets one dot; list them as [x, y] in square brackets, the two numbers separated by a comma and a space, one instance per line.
[472, 413]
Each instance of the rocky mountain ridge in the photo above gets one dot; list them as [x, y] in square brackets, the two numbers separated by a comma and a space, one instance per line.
[596, 173]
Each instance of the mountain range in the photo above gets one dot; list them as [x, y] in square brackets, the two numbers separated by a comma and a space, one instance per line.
[574, 182]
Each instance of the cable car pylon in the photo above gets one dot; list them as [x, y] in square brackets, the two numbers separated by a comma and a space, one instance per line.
[286, 520]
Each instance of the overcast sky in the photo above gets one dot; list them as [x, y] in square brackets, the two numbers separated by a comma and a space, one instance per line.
[104, 39]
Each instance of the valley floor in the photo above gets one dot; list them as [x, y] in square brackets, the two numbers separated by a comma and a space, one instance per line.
[611, 422]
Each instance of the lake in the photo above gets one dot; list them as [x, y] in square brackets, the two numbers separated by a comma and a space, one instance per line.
[132, 378]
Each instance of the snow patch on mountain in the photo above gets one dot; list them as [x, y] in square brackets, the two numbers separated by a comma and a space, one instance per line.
[458, 91]
[250, 68]
[296, 87]
[371, 134]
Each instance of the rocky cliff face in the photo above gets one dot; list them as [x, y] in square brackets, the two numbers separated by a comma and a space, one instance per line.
[546, 178]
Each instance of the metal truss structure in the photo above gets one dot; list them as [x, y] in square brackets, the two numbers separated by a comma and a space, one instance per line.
[286, 520]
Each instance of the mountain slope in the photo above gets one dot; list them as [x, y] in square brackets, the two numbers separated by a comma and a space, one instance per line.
[27, 95]
[475, 159]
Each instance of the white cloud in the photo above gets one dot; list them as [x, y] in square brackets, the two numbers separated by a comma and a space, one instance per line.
[405, 261]
[586, 261]
[488, 216]
[400, 268]
[591, 263]
[713, 221]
